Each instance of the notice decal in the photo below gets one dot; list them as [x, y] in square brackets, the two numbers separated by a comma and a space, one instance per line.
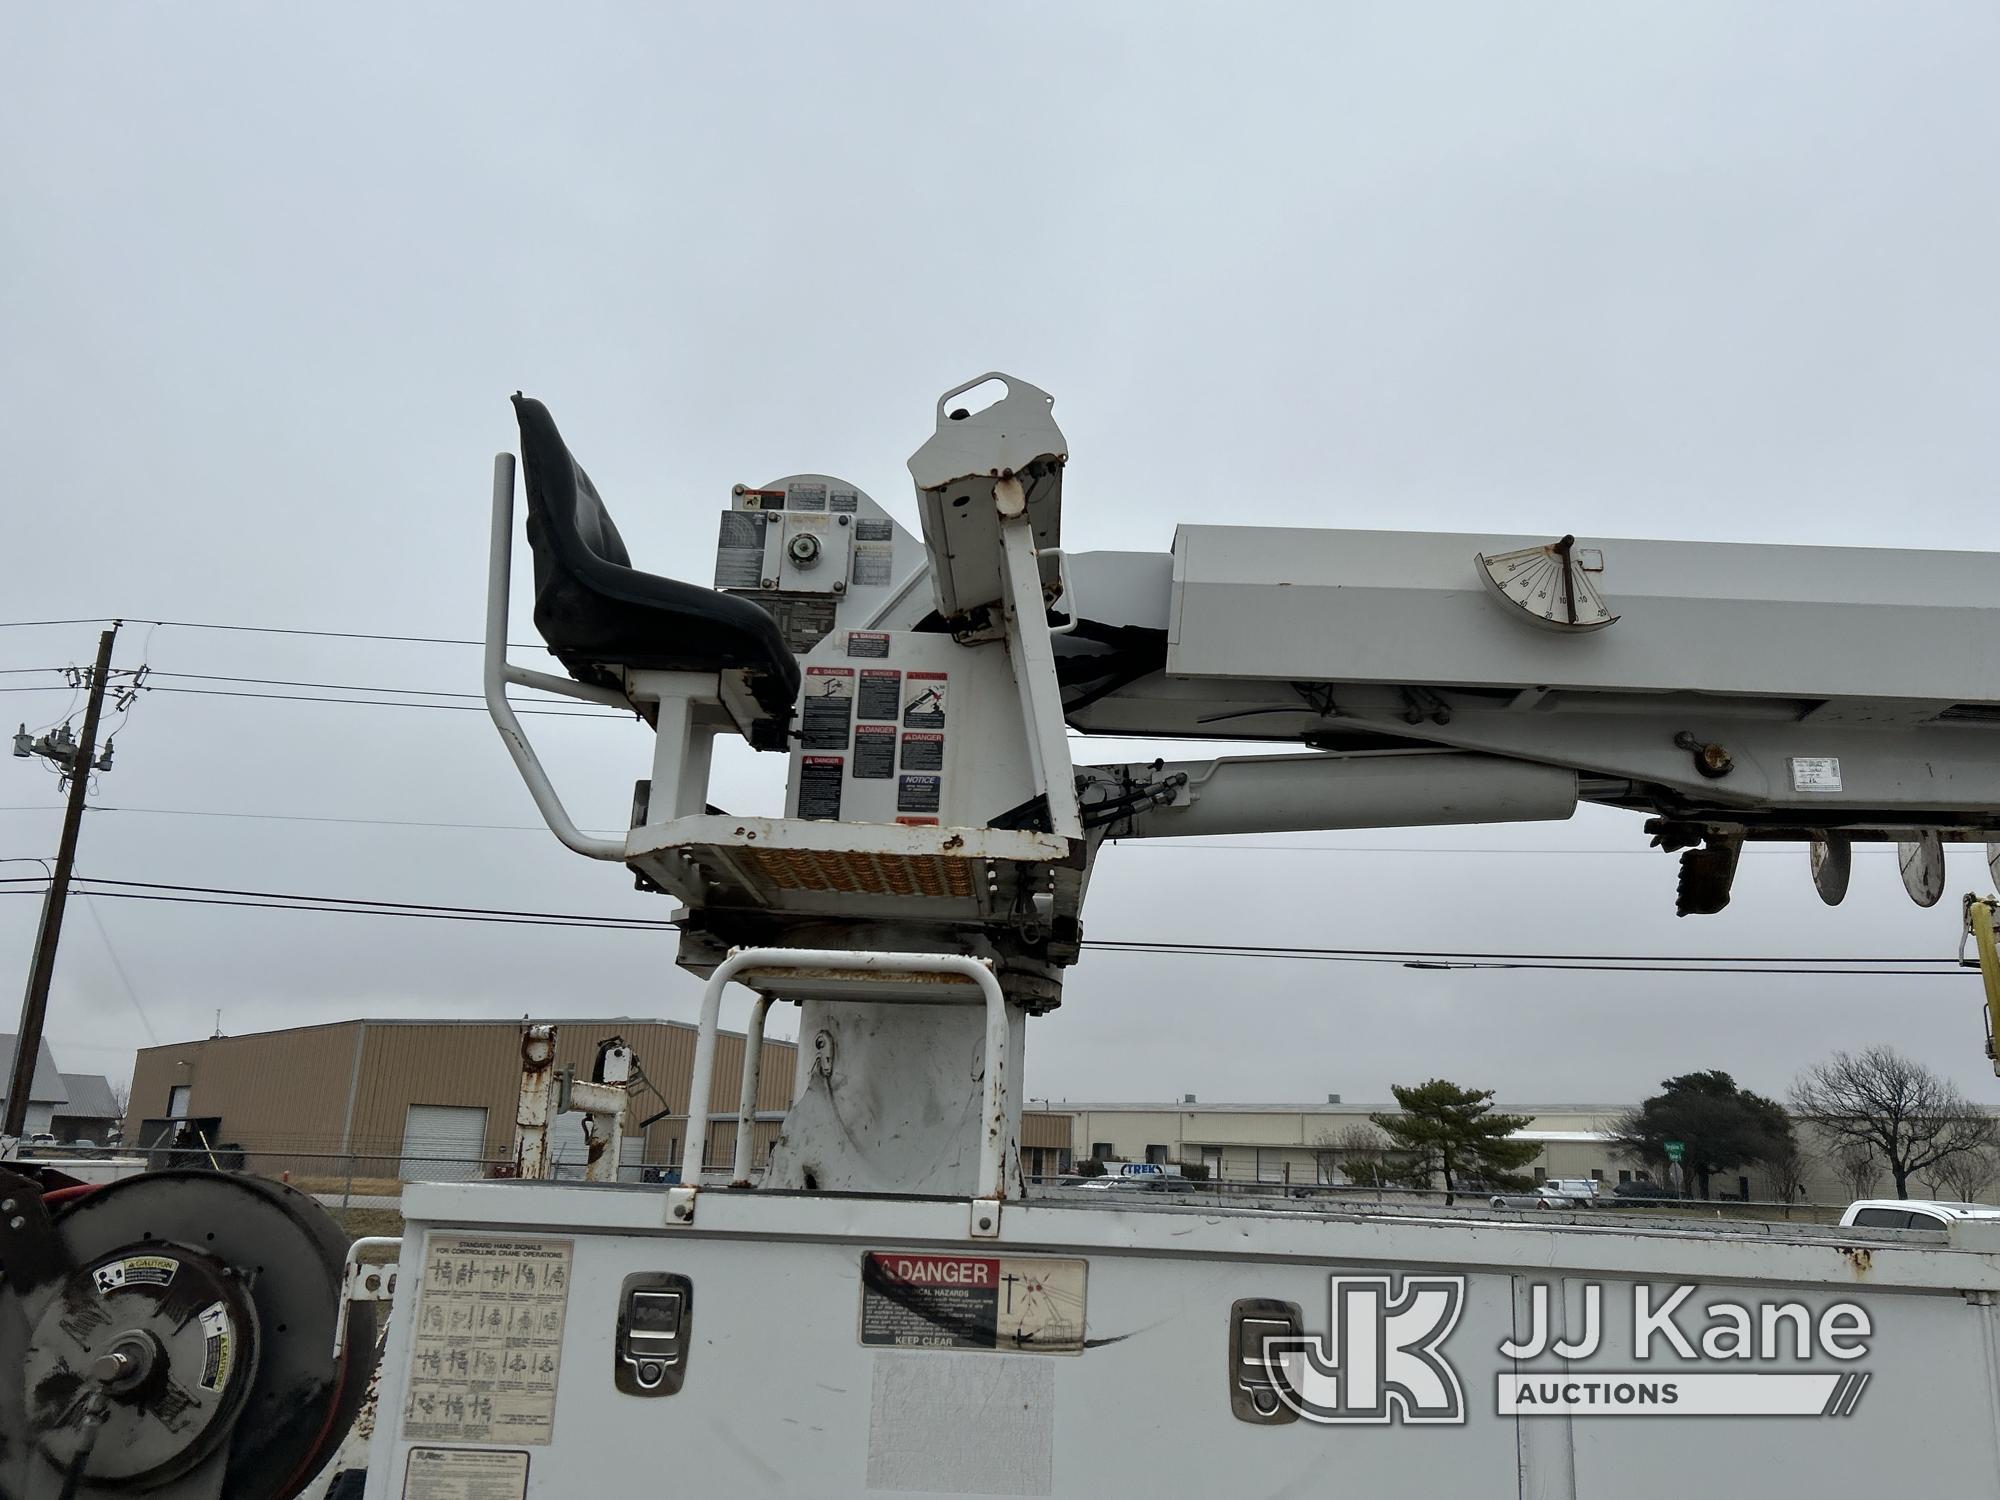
[918, 794]
[465, 1474]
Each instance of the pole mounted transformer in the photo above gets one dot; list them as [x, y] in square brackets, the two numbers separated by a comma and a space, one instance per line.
[79, 759]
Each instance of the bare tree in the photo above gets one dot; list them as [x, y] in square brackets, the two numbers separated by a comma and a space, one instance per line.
[1965, 1174]
[121, 1095]
[1326, 1158]
[1787, 1165]
[1854, 1164]
[1362, 1152]
[1903, 1113]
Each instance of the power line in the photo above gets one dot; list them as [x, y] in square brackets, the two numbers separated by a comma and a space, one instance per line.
[470, 708]
[118, 967]
[1474, 955]
[363, 911]
[1144, 845]
[1775, 846]
[475, 705]
[198, 812]
[581, 918]
[339, 635]
[291, 630]
[1158, 945]
[1871, 966]
[1822, 969]
[339, 687]
[275, 901]
[71, 1045]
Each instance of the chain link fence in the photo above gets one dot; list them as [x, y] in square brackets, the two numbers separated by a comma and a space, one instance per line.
[364, 1185]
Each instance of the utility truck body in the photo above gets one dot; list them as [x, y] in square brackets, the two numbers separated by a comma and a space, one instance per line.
[857, 1345]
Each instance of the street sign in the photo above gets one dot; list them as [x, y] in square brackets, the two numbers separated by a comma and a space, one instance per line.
[1676, 1150]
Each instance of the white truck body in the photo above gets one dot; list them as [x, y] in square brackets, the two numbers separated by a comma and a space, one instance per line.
[779, 1395]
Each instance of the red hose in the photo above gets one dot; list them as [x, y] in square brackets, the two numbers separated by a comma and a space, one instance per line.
[71, 1194]
[326, 1443]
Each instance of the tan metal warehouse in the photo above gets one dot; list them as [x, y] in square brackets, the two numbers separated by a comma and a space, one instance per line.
[430, 1098]
[436, 1099]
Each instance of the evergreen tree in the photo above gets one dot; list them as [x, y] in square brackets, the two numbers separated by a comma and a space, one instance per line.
[1448, 1130]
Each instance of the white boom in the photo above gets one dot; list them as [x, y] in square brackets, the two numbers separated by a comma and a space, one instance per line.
[923, 689]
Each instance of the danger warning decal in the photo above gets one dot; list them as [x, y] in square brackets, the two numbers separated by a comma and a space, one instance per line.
[1007, 1304]
[924, 700]
[874, 751]
[828, 708]
[819, 786]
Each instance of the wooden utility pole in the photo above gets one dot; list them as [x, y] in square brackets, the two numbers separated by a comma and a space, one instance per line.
[35, 1004]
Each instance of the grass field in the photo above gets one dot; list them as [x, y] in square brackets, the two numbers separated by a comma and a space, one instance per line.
[363, 1222]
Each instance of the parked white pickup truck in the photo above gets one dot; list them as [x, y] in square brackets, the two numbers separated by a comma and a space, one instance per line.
[1913, 1213]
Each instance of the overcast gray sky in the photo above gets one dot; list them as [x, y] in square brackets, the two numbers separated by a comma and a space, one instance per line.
[268, 275]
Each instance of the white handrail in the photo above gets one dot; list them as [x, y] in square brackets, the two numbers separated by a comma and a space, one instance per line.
[746, 1095]
[355, 1286]
[993, 1124]
[499, 573]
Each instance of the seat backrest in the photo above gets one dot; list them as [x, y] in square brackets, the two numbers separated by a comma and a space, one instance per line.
[563, 504]
[593, 525]
[598, 612]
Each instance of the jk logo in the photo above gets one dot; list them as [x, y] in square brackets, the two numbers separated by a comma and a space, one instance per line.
[1380, 1361]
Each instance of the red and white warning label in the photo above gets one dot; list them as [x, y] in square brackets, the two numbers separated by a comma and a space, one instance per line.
[924, 699]
[1010, 1304]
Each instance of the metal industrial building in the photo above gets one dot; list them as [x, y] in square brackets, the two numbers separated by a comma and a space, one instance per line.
[1299, 1144]
[427, 1099]
[45, 1093]
[72, 1107]
[1310, 1145]
[436, 1099]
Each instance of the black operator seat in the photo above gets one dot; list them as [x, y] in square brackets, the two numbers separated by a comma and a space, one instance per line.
[598, 613]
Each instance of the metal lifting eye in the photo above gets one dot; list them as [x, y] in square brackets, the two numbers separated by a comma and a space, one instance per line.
[1711, 760]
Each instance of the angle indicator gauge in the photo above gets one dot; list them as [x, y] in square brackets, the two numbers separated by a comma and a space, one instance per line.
[1550, 585]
